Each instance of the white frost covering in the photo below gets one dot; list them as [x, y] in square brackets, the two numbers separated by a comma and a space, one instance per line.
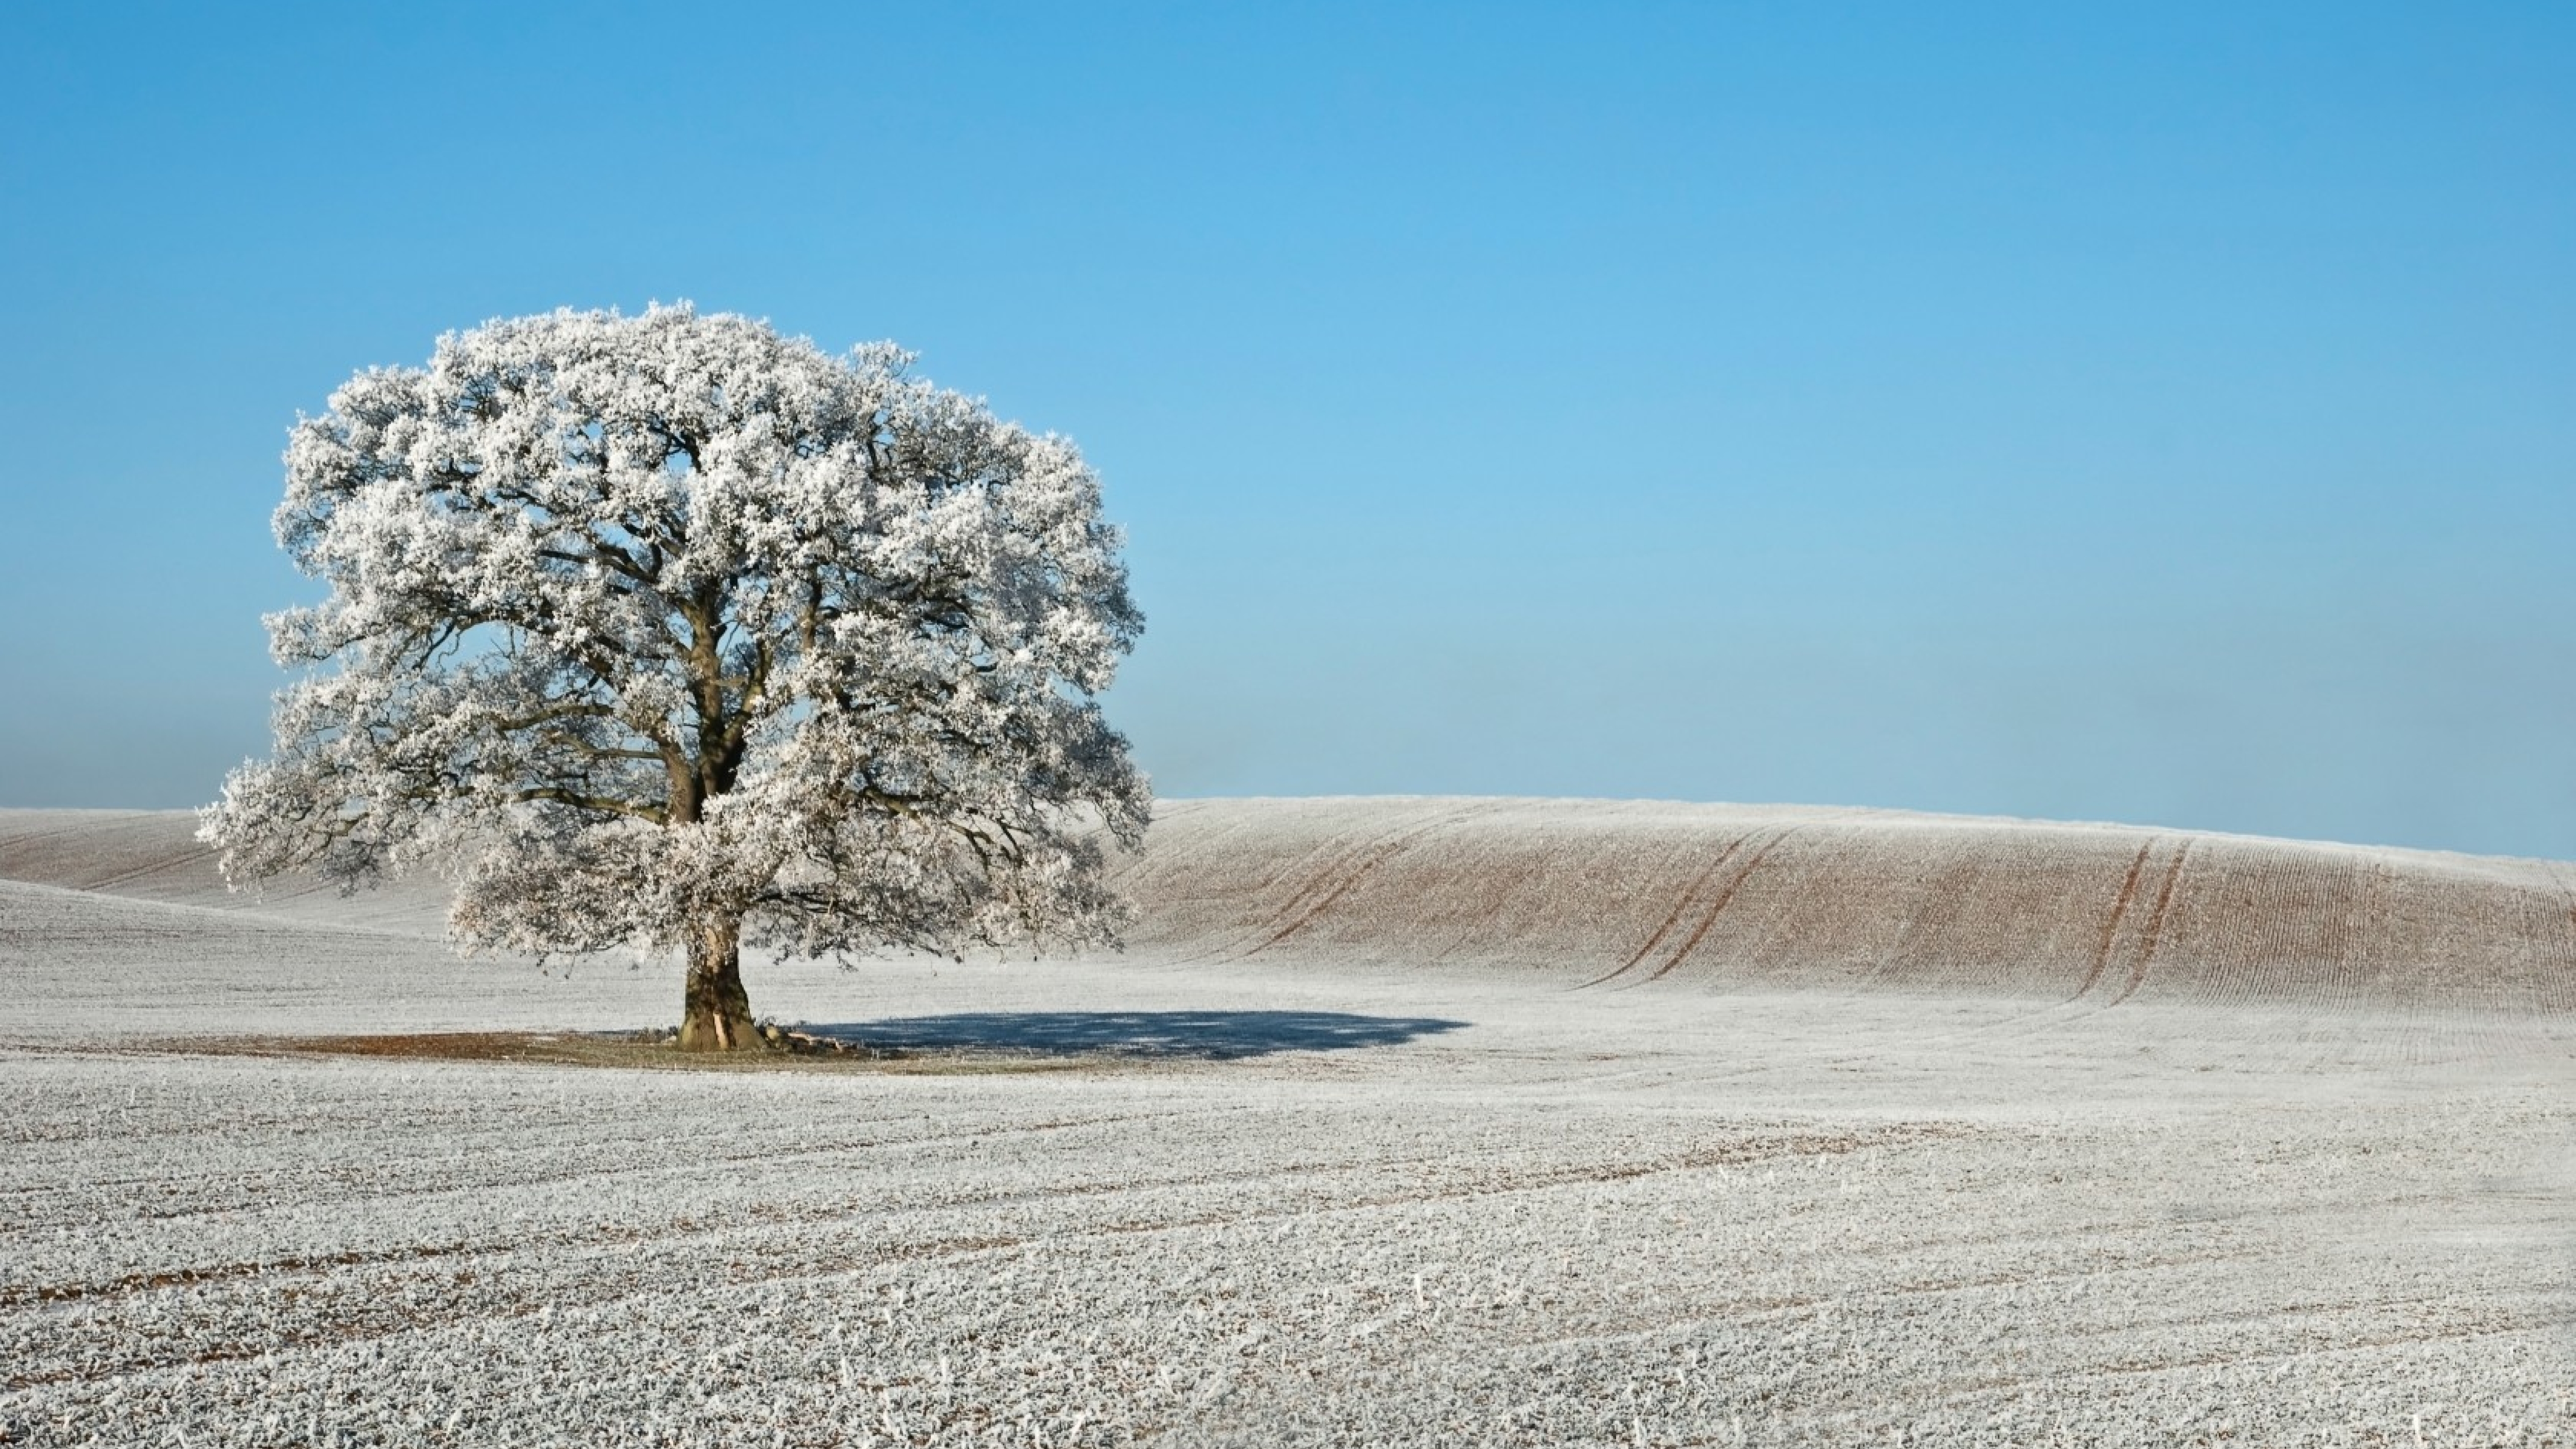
[641, 622]
[1284, 1197]
[1580, 1220]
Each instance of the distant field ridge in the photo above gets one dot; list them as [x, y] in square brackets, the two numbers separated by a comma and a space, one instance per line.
[1619, 895]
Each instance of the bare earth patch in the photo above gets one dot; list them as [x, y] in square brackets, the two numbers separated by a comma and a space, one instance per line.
[638, 1051]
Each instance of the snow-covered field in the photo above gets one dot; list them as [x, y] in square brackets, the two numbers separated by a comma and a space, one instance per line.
[1910, 1131]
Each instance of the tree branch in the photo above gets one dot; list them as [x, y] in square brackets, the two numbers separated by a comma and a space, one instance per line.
[558, 795]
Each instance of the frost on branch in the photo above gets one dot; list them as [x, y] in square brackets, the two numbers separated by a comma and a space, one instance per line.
[668, 631]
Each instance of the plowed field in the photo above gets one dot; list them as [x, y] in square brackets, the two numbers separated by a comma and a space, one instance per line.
[1403, 1122]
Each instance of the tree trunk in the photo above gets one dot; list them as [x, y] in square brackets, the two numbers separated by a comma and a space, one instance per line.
[715, 1012]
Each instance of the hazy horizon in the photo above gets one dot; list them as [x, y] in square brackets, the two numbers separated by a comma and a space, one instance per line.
[2159, 418]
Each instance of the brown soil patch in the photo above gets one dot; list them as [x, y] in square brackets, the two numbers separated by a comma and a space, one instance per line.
[648, 1051]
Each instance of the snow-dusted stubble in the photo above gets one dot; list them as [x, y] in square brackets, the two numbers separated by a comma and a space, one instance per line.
[639, 623]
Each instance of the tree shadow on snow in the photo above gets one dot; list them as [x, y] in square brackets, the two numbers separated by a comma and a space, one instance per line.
[1205, 1035]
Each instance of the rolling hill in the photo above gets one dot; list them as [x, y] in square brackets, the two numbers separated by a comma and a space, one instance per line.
[1620, 894]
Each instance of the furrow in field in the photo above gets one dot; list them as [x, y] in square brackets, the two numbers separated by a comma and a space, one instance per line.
[1682, 904]
[1336, 885]
[1717, 906]
[2111, 921]
[2152, 935]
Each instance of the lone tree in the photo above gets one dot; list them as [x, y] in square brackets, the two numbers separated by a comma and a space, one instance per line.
[671, 632]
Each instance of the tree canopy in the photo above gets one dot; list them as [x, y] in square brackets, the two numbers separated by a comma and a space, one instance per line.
[670, 631]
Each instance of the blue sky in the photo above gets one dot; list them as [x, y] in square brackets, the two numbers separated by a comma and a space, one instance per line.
[2163, 415]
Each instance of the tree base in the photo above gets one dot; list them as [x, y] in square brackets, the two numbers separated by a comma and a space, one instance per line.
[720, 1032]
[715, 1012]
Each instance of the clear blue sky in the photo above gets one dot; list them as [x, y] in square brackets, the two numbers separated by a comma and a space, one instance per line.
[2162, 413]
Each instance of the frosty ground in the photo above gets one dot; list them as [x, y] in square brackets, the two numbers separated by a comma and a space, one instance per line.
[1265, 1182]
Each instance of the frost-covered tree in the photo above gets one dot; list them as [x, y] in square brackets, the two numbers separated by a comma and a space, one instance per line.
[673, 633]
